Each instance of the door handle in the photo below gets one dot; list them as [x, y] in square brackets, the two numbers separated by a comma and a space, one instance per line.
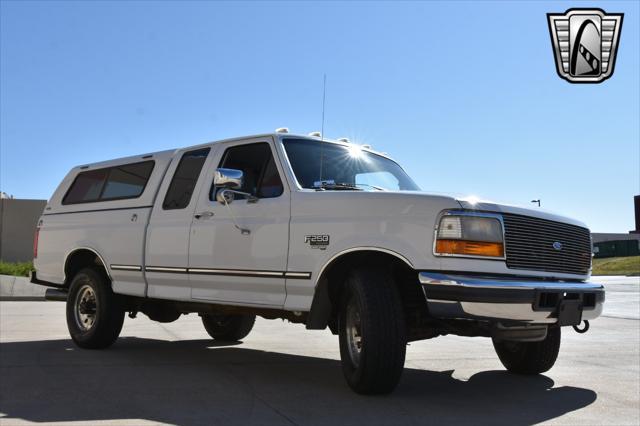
[202, 215]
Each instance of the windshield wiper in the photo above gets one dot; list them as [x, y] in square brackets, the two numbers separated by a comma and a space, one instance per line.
[332, 186]
[377, 188]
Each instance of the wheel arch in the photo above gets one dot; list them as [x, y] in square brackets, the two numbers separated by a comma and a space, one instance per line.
[334, 272]
[79, 258]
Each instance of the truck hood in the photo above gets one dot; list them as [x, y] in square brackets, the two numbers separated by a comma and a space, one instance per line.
[490, 206]
[416, 201]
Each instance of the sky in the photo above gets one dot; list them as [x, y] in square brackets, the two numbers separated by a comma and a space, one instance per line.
[464, 95]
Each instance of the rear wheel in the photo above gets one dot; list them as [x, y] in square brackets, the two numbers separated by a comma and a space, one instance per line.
[372, 332]
[228, 327]
[94, 313]
[529, 357]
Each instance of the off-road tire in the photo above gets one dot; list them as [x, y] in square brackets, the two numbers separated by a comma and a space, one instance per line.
[529, 357]
[373, 293]
[108, 314]
[229, 328]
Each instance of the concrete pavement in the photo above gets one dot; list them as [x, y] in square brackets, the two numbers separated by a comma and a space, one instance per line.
[283, 374]
[622, 298]
[19, 288]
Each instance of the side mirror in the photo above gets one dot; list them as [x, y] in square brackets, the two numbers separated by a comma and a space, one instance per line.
[228, 181]
[228, 178]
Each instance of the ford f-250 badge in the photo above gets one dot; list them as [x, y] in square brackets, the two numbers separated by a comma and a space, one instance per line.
[317, 241]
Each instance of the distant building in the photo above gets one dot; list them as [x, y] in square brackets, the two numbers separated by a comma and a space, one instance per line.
[600, 237]
[636, 202]
[613, 245]
[617, 248]
[18, 221]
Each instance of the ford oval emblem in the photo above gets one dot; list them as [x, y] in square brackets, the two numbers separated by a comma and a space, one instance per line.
[557, 246]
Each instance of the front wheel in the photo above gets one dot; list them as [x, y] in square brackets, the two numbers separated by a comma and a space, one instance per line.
[529, 357]
[229, 328]
[94, 313]
[372, 332]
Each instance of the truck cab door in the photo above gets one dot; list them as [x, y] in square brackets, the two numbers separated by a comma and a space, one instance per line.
[167, 244]
[225, 264]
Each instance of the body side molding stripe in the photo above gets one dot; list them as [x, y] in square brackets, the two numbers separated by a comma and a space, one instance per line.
[126, 268]
[298, 275]
[169, 269]
[236, 272]
[223, 272]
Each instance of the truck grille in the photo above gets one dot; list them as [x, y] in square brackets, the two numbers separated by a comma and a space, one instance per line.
[530, 245]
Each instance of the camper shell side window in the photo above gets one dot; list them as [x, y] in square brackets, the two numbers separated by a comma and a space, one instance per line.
[110, 183]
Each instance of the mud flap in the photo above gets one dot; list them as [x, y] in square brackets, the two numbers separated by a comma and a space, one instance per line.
[569, 312]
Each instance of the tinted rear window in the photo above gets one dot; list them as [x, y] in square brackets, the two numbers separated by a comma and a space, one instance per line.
[111, 183]
[127, 181]
[185, 179]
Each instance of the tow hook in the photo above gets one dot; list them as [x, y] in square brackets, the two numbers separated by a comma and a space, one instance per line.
[583, 329]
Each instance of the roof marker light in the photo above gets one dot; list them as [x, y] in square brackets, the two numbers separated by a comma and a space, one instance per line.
[345, 140]
[282, 130]
[366, 146]
[315, 134]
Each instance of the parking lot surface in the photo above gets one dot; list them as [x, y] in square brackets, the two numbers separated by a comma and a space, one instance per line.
[283, 374]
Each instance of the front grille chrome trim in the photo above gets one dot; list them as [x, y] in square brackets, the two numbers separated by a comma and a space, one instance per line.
[529, 245]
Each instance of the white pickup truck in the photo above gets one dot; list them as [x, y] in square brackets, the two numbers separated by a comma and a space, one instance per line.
[323, 233]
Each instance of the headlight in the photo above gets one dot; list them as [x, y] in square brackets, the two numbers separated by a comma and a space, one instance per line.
[470, 235]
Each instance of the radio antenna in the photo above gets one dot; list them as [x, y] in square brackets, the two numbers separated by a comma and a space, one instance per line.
[324, 92]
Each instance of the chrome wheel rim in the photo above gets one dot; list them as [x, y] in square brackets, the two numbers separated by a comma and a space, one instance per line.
[85, 308]
[354, 332]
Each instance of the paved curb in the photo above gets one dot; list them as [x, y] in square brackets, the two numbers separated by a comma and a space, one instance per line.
[19, 288]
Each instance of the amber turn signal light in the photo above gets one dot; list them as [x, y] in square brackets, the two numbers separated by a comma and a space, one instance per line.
[470, 248]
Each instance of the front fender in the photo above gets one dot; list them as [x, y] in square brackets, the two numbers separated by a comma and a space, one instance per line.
[400, 224]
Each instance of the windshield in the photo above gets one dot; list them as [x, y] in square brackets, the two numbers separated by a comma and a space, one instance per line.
[344, 167]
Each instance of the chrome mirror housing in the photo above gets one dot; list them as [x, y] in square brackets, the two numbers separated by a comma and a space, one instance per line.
[227, 182]
[228, 178]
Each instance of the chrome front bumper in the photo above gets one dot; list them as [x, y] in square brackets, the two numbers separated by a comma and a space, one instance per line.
[530, 301]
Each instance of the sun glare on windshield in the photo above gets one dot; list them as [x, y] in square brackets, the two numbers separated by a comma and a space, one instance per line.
[345, 166]
[355, 151]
